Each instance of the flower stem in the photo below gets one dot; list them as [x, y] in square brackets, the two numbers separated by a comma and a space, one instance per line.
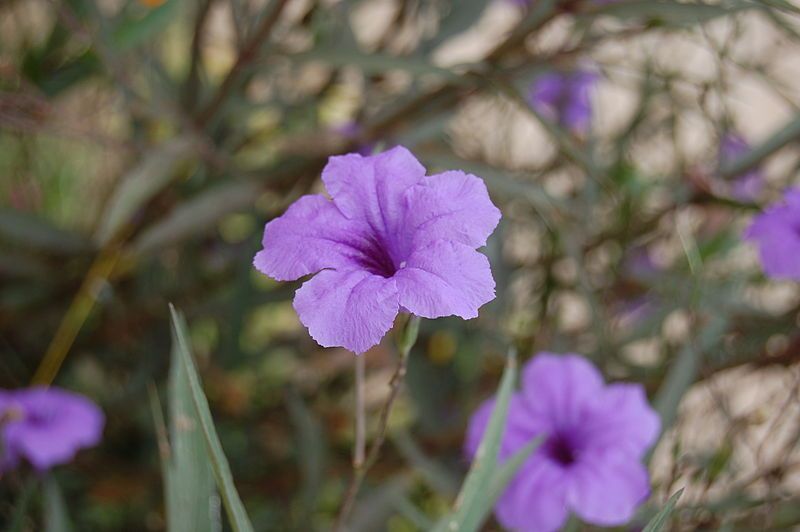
[361, 422]
[407, 341]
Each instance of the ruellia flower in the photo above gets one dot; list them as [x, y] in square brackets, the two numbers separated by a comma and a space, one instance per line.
[46, 426]
[565, 98]
[747, 186]
[776, 232]
[590, 462]
[390, 239]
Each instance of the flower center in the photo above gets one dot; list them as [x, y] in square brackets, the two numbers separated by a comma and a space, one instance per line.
[40, 417]
[375, 258]
[559, 449]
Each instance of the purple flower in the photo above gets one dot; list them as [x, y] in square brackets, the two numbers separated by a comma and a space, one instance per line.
[776, 231]
[590, 461]
[564, 97]
[46, 426]
[352, 130]
[392, 239]
[747, 186]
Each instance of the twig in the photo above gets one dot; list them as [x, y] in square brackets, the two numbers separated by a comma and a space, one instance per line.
[245, 57]
[359, 472]
[77, 314]
[192, 82]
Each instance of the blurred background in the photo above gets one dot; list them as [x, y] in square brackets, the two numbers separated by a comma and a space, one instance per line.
[144, 144]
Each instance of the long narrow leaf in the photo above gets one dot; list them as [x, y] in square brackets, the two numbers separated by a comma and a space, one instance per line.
[55, 509]
[658, 522]
[477, 513]
[192, 502]
[219, 463]
[150, 176]
[480, 474]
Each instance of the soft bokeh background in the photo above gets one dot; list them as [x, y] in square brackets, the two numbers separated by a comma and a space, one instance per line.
[144, 143]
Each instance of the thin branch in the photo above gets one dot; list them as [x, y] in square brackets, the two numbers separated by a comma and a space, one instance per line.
[192, 84]
[359, 472]
[246, 56]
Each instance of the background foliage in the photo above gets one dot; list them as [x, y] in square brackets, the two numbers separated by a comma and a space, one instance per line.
[143, 144]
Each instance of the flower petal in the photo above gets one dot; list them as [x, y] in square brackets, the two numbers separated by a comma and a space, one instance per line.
[311, 235]
[351, 309]
[560, 387]
[546, 91]
[606, 491]
[66, 423]
[621, 419]
[535, 500]
[450, 206]
[370, 189]
[443, 279]
[577, 115]
[777, 233]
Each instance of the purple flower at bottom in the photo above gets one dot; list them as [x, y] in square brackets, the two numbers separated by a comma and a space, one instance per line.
[776, 231]
[391, 239]
[590, 461]
[46, 426]
[564, 97]
[747, 186]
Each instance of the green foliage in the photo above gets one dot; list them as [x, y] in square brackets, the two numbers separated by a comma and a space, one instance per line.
[487, 478]
[661, 519]
[214, 453]
[155, 139]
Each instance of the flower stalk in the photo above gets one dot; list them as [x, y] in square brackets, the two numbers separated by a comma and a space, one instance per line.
[407, 341]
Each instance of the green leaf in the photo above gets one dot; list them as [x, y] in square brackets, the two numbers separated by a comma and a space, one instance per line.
[310, 438]
[140, 185]
[37, 233]
[462, 16]
[219, 463]
[132, 31]
[783, 136]
[658, 522]
[685, 369]
[192, 503]
[470, 507]
[55, 509]
[482, 506]
[197, 215]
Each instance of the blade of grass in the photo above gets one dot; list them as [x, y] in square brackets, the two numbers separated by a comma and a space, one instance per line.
[191, 500]
[483, 466]
[661, 519]
[478, 511]
[55, 509]
[144, 181]
[237, 516]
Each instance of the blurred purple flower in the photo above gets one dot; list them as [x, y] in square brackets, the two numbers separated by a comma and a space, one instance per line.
[590, 461]
[46, 426]
[747, 186]
[564, 97]
[392, 239]
[776, 231]
[639, 264]
[352, 131]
